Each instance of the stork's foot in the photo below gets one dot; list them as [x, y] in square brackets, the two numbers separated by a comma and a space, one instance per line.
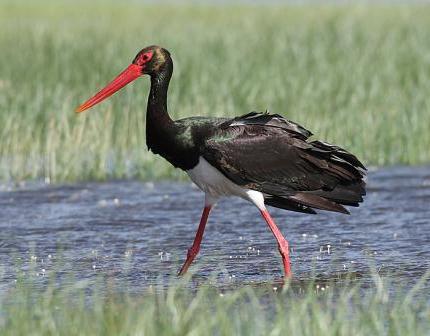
[192, 253]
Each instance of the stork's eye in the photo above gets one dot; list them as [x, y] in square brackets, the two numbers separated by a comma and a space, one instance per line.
[143, 58]
[146, 56]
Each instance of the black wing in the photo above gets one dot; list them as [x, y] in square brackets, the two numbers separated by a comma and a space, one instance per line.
[268, 153]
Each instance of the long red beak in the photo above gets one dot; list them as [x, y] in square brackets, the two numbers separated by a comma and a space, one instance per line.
[132, 72]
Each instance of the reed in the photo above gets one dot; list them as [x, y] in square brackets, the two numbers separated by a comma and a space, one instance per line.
[358, 76]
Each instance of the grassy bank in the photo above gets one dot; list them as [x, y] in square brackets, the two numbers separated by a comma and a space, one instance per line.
[357, 76]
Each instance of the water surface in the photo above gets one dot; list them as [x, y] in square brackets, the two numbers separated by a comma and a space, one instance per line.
[138, 233]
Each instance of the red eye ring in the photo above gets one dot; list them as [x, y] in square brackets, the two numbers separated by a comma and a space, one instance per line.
[141, 59]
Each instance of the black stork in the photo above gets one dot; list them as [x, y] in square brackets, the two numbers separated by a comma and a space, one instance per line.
[260, 157]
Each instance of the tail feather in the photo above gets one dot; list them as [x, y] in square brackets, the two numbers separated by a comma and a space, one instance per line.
[330, 200]
[347, 195]
[317, 202]
[288, 204]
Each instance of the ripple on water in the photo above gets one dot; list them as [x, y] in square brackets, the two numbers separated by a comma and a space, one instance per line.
[139, 233]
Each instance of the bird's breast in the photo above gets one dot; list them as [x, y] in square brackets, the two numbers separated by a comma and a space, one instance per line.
[212, 181]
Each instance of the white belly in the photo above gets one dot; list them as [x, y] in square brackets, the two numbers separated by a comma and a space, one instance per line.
[216, 185]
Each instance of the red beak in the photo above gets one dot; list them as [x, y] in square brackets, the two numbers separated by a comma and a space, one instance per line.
[132, 72]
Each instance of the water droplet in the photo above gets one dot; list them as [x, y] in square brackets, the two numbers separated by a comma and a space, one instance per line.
[128, 253]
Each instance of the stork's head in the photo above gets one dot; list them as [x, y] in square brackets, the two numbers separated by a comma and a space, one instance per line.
[150, 60]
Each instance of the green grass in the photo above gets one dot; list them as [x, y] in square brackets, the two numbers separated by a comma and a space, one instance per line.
[293, 310]
[356, 76]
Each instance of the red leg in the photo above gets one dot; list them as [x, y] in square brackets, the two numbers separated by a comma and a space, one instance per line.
[282, 243]
[193, 250]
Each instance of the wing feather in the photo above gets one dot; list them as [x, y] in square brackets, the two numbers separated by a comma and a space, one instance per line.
[270, 154]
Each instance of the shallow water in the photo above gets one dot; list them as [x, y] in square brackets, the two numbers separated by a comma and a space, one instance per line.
[138, 233]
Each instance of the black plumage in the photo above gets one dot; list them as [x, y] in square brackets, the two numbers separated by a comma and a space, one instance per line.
[268, 153]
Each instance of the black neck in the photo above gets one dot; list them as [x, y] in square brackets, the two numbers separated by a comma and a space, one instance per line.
[157, 100]
[159, 125]
[163, 135]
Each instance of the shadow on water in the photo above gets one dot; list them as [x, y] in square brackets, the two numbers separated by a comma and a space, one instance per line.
[138, 234]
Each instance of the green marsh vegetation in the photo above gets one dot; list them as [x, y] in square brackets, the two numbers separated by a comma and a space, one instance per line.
[355, 76]
[306, 309]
